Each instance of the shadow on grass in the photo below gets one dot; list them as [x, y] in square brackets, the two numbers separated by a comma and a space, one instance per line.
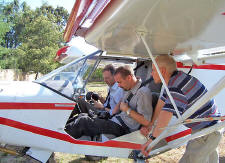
[80, 160]
[222, 160]
[84, 160]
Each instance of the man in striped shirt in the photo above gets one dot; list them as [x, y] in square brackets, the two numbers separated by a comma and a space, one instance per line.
[185, 90]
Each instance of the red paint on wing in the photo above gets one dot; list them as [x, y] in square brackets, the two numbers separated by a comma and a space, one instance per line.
[67, 138]
[208, 67]
[64, 137]
[178, 135]
[39, 106]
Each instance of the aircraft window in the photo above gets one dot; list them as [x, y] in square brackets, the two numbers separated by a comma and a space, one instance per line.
[70, 79]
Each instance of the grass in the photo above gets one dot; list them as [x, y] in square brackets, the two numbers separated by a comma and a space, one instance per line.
[99, 88]
[72, 158]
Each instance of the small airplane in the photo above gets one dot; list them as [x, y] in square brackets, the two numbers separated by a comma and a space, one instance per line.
[34, 114]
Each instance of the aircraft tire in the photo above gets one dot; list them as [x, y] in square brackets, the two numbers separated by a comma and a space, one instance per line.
[51, 158]
[94, 158]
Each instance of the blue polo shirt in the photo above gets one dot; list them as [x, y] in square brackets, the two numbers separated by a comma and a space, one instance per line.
[116, 94]
[186, 90]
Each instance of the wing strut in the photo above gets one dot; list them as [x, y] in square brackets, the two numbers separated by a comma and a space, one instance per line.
[209, 95]
[165, 132]
[160, 75]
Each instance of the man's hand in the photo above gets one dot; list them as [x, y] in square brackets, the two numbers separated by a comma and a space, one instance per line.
[146, 129]
[107, 109]
[144, 150]
[101, 98]
[124, 106]
[162, 122]
[98, 105]
[116, 108]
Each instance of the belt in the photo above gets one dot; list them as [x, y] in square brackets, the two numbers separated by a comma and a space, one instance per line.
[123, 124]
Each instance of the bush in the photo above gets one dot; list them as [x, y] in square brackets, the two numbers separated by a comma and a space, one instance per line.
[96, 75]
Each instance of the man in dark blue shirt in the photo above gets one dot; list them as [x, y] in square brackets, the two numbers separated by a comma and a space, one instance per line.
[185, 90]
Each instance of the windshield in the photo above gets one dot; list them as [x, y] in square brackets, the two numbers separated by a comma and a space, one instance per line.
[71, 79]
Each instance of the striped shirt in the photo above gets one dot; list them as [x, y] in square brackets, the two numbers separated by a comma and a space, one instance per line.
[186, 90]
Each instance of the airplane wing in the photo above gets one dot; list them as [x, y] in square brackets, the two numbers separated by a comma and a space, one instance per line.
[168, 25]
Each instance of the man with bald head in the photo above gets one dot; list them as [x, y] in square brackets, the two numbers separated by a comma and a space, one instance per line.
[185, 90]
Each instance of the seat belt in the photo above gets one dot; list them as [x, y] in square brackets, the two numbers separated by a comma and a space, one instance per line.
[108, 100]
[131, 94]
[123, 124]
[142, 85]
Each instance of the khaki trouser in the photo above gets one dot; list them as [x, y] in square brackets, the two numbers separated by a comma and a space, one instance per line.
[203, 149]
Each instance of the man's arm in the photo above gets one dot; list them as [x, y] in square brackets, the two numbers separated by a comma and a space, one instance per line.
[157, 110]
[101, 99]
[133, 114]
[139, 118]
[143, 107]
[162, 122]
[116, 109]
[116, 98]
[146, 129]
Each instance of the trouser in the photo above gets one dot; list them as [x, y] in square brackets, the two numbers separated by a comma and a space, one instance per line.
[203, 149]
[85, 107]
[89, 126]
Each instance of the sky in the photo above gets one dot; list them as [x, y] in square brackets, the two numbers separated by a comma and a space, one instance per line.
[68, 4]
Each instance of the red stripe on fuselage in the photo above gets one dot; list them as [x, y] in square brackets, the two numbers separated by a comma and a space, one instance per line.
[178, 135]
[34, 106]
[208, 67]
[65, 137]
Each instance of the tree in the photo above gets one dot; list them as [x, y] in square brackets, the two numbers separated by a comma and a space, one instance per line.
[39, 45]
[34, 38]
[59, 15]
[19, 15]
[96, 75]
[4, 28]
